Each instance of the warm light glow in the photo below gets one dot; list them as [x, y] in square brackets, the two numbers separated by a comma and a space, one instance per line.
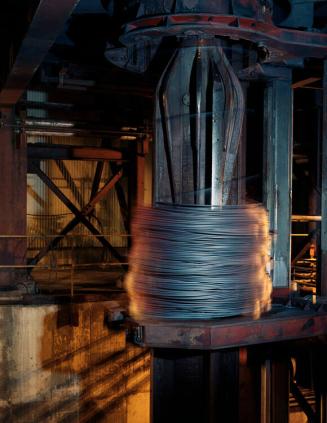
[49, 123]
[51, 133]
[128, 138]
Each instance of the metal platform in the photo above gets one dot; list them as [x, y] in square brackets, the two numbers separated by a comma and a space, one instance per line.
[282, 323]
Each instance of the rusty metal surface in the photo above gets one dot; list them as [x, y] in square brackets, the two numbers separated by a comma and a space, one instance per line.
[288, 324]
[13, 203]
[207, 86]
[80, 216]
[282, 42]
[70, 152]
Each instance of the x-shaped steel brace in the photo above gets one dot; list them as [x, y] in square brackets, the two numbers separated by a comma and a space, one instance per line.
[80, 215]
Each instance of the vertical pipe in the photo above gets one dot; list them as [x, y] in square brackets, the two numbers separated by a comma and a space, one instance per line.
[323, 283]
[278, 178]
[265, 392]
[200, 122]
[323, 279]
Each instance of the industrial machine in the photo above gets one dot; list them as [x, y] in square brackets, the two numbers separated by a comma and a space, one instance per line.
[223, 112]
[221, 107]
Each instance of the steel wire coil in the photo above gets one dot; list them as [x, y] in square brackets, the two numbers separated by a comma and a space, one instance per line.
[199, 262]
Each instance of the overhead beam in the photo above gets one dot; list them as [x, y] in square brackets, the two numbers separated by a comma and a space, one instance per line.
[305, 82]
[48, 22]
[70, 152]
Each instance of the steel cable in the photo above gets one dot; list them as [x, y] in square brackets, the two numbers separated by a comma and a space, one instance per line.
[199, 262]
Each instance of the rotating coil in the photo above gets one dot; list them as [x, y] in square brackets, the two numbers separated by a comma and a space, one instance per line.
[199, 262]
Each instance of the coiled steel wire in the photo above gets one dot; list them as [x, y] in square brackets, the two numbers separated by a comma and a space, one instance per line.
[199, 262]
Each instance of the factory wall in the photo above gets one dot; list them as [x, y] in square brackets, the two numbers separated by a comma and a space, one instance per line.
[47, 215]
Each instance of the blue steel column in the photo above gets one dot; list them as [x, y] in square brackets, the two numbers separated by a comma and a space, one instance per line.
[323, 287]
[323, 242]
[278, 177]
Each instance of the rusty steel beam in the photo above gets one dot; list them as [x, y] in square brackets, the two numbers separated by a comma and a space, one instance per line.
[87, 210]
[286, 42]
[79, 215]
[300, 398]
[103, 191]
[39, 151]
[121, 199]
[305, 218]
[228, 333]
[97, 179]
[53, 243]
[70, 182]
[48, 22]
[305, 82]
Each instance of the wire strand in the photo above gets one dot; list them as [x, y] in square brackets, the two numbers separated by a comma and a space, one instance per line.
[199, 262]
